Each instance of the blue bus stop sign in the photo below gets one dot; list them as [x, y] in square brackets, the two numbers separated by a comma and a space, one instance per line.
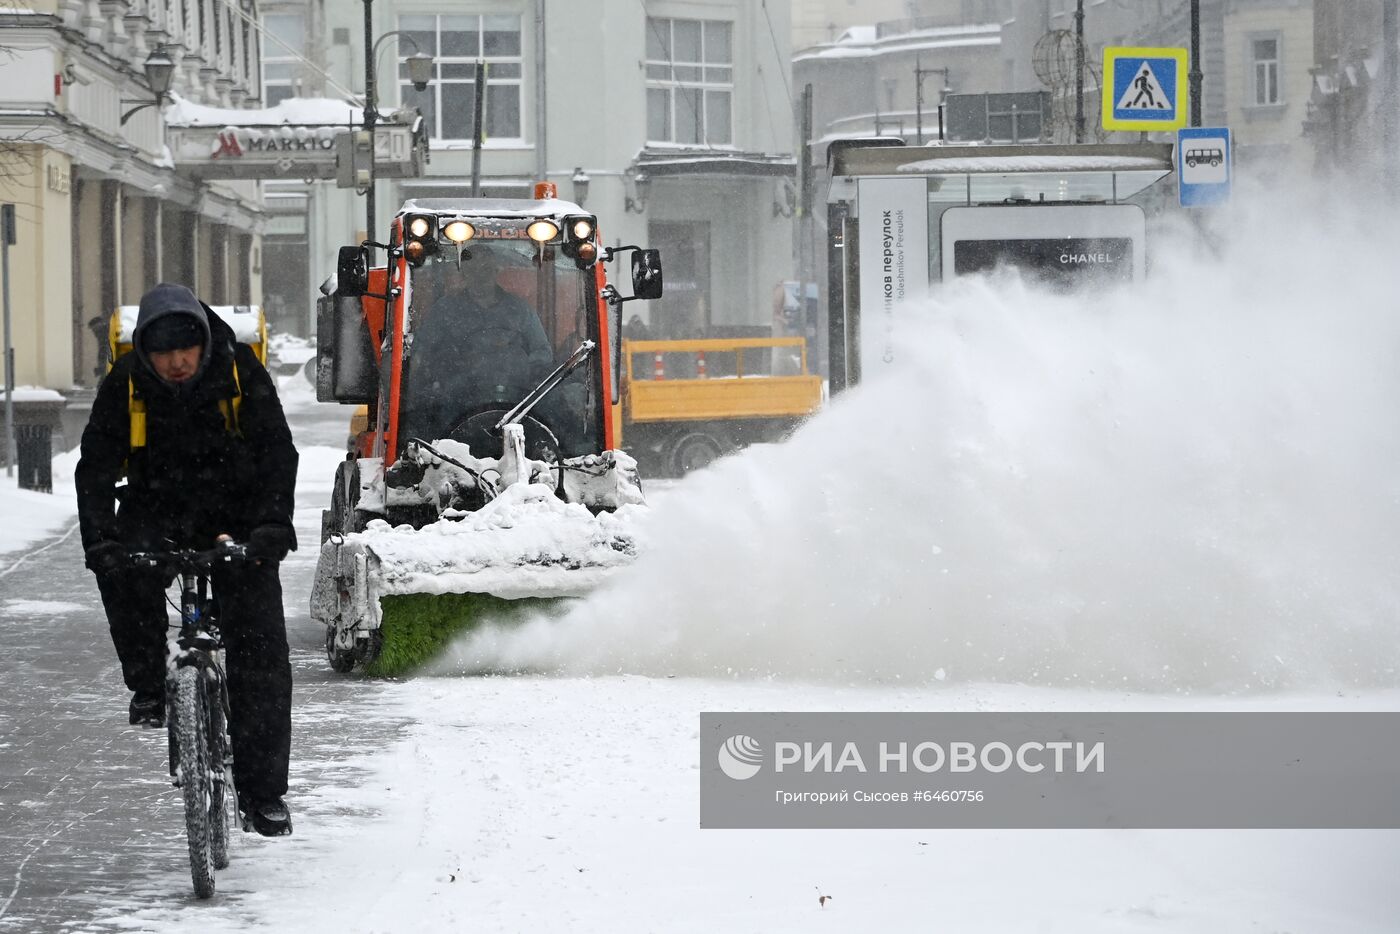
[1203, 167]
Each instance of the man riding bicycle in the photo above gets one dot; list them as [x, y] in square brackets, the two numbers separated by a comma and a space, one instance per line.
[191, 419]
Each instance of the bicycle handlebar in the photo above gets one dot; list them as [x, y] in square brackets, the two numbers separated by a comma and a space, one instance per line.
[190, 559]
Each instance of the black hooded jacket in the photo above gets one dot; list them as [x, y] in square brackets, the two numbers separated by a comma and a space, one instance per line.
[193, 479]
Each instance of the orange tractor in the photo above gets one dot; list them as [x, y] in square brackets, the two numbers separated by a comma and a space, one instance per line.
[485, 478]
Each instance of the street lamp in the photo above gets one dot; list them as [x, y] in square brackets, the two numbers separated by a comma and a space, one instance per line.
[580, 181]
[641, 184]
[420, 72]
[160, 72]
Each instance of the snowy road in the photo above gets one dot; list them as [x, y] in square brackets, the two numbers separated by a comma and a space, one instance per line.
[1109, 503]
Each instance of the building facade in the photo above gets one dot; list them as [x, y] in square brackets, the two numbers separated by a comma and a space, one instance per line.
[102, 213]
[669, 119]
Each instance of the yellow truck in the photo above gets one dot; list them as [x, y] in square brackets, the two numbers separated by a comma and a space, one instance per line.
[687, 402]
[248, 322]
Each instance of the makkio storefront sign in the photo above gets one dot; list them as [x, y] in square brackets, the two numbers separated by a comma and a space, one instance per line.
[304, 151]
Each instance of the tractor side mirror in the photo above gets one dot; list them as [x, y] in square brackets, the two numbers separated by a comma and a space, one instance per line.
[646, 274]
[352, 270]
[346, 368]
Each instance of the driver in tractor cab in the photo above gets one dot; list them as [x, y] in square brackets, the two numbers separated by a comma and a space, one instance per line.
[479, 346]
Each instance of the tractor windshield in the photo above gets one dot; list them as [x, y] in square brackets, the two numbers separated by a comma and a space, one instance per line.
[483, 332]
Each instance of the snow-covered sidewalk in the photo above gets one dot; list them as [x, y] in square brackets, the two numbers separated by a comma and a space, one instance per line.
[31, 518]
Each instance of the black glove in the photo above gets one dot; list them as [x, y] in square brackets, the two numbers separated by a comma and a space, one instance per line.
[107, 556]
[271, 542]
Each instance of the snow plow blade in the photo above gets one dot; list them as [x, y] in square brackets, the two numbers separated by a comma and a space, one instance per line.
[392, 597]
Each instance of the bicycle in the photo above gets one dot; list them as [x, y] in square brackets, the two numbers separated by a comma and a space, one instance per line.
[197, 710]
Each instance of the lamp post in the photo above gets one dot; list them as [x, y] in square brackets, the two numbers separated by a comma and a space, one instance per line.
[420, 72]
[1390, 95]
[1079, 72]
[919, 72]
[1195, 75]
[160, 72]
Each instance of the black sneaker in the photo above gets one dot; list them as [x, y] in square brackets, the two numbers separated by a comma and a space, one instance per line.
[147, 709]
[269, 818]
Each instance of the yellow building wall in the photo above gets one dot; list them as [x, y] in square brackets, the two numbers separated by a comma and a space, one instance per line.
[38, 183]
[132, 284]
[204, 264]
[88, 296]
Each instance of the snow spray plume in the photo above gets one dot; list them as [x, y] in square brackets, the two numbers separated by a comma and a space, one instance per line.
[1191, 484]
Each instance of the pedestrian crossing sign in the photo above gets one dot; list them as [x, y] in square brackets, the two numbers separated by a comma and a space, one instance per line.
[1145, 89]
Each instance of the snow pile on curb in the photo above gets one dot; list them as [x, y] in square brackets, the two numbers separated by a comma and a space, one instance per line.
[31, 517]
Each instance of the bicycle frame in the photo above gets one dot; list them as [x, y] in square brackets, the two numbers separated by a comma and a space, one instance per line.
[199, 644]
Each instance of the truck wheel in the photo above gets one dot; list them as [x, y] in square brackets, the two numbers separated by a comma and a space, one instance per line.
[695, 450]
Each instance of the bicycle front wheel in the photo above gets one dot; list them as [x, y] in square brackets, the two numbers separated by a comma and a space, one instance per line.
[192, 748]
[221, 795]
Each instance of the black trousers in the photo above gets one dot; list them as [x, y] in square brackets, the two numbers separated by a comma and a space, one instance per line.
[249, 604]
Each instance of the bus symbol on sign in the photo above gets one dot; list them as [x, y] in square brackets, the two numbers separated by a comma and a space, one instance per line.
[1203, 165]
[1195, 157]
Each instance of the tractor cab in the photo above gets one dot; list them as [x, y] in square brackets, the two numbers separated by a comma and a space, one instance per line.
[481, 303]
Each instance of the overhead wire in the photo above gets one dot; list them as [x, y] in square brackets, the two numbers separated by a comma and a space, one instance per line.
[782, 70]
[675, 85]
[253, 21]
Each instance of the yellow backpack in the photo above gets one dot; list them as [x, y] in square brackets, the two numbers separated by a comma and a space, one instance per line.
[136, 409]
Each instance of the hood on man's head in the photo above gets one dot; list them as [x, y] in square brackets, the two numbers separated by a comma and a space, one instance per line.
[170, 318]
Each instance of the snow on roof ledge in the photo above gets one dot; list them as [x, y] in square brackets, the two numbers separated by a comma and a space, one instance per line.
[294, 111]
[1039, 163]
[34, 394]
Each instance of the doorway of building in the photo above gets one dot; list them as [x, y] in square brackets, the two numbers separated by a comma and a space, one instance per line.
[683, 311]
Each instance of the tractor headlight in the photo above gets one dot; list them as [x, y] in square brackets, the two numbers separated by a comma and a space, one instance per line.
[420, 237]
[542, 231]
[579, 245]
[459, 231]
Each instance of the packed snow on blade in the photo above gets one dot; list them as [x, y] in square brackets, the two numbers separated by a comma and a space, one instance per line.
[495, 550]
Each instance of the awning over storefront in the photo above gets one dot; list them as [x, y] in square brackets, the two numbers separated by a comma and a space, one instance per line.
[666, 162]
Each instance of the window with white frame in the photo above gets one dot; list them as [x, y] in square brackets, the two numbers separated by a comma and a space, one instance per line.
[457, 43]
[1265, 56]
[690, 81]
[284, 32]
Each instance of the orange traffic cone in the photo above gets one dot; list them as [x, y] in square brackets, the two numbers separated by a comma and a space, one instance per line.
[700, 365]
[658, 367]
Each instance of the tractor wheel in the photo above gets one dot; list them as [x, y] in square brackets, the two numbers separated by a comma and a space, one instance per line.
[342, 660]
[345, 497]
